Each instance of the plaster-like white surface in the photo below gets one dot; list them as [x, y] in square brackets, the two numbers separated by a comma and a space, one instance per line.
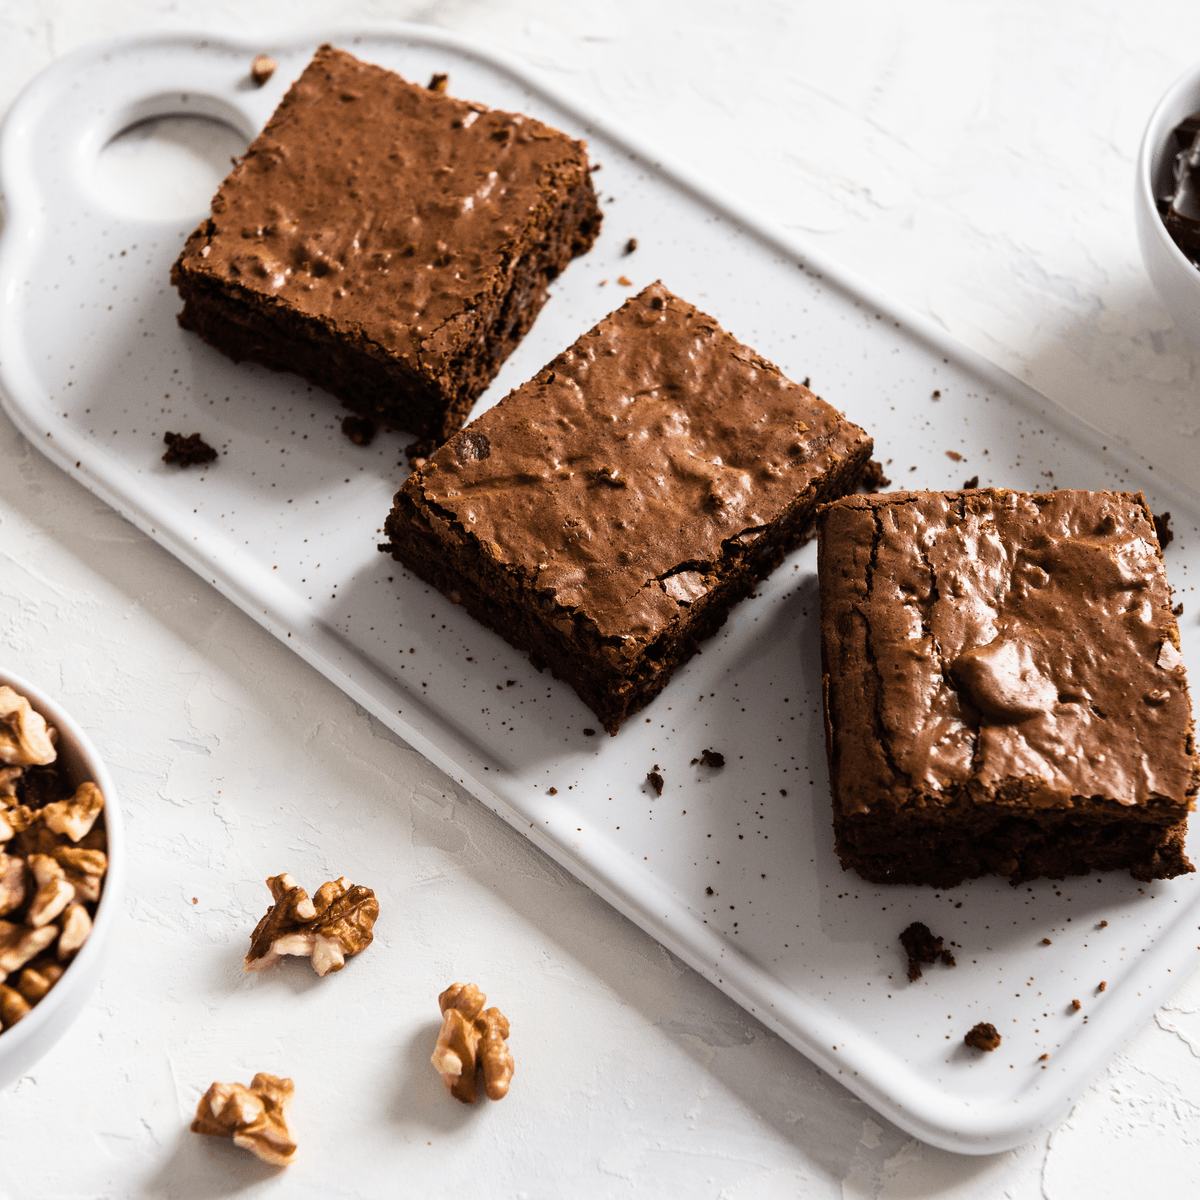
[975, 161]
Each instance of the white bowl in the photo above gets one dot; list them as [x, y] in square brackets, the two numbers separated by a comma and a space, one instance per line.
[1174, 277]
[24, 1043]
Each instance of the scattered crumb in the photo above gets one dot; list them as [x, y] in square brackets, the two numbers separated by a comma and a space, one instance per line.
[1045, 941]
[417, 452]
[873, 478]
[1102, 985]
[1162, 527]
[937, 395]
[438, 81]
[954, 454]
[1043, 1057]
[711, 758]
[983, 1037]
[196, 900]
[1075, 1006]
[655, 780]
[631, 245]
[261, 69]
[1103, 924]
[708, 891]
[1178, 609]
[360, 430]
[973, 482]
[922, 947]
[187, 451]
[586, 732]
[552, 791]
[624, 281]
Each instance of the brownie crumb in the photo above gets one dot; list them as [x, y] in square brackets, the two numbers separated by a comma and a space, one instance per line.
[586, 732]
[1162, 527]
[656, 782]
[438, 81]
[1178, 609]
[954, 454]
[1043, 1057]
[873, 478]
[937, 395]
[708, 891]
[922, 947]
[973, 482]
[631, 245]
[1075, 1006]
[1102, 985]
[983, 1037]
[1103, 924]
[417, 452]
[261, 69]
[1045, 941]
[360, 430]
[712, 758]
[187, 451]
[552, 791]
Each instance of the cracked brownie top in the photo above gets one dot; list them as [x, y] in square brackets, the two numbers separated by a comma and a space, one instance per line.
[615, 477]
[1015, 645]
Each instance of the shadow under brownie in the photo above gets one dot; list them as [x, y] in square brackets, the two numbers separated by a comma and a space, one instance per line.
[389, 243]
[1004, 692]
[605, 516]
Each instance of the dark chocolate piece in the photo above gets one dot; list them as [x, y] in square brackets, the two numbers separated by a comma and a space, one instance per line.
[605, 516]
[985, 1037]
[389, 243]
[187, 451]
[1004, 688]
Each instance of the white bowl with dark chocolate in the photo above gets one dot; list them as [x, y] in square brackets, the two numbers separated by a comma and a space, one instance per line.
[62, 873]
[1166, 205]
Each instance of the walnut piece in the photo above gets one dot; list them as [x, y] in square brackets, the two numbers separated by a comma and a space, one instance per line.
[19, 944]
[74, 818]
[472, 1039]
[24, 739]
[13, 1006]
[255, 1116]
[329, 928]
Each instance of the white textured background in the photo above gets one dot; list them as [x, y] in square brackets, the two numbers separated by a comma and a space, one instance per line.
[974, 159]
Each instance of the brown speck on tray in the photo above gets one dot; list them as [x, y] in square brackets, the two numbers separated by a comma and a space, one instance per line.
[708, 891]
[1162, 527]
[417, 452]
[937, 395]
[261, 69]
[873, 479]
[552, 791]
[922, 947]
[624, 281]
[187, 451]
[196, 900]
[631, 245]
[360, 430]
[711, 758]
[1043, 1057]
[589, 733]
[954, 454]
[983, 1037]
[438, 81]
[973, 482]
[1075, 1006]
[655, 780]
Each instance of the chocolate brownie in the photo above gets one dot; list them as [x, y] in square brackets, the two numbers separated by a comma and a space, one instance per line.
[387, 242]
[605, 516]
[1004, 692]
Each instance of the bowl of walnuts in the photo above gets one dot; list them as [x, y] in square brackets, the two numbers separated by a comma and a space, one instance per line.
[62, 865]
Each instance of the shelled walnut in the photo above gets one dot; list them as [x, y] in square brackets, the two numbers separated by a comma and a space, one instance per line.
[472, 1040]
[255, 1116]
[52, 860]
[329, 928]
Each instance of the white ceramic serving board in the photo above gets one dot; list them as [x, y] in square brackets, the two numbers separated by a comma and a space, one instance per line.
[94, 369]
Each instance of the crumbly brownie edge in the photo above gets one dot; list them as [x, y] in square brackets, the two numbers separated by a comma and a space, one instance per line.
[503, 598]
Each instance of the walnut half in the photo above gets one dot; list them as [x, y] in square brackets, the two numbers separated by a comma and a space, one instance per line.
[472, 1039]
[255, 1116]
[335, 924]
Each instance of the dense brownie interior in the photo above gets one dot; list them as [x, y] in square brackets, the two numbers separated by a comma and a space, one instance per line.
[605, 516]
[389, 243]
[1004, 689]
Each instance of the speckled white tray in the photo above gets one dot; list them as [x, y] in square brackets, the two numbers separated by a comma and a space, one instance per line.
[94, 369]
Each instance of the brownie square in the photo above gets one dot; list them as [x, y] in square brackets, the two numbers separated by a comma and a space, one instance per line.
[606, 515]
[387, 242]
[1004, 692]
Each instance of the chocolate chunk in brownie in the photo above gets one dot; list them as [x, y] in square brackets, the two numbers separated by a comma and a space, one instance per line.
[605, 516]
[1004, 689]
[984, 1037]
[389, 243]
[188, 451]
